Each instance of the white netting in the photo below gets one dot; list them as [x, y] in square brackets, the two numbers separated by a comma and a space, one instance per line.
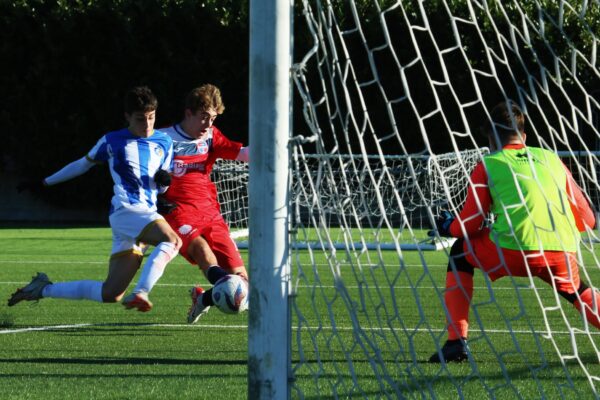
[394, 82]
[231, 180]
[369, 192]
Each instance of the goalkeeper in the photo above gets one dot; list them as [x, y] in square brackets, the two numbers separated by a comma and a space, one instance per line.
[190, 205]
[539, 211]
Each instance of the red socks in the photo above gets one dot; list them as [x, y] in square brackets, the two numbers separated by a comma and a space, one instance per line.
[459, 293]
[587, 298]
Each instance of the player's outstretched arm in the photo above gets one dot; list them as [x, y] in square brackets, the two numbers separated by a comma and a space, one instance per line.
[70, 171]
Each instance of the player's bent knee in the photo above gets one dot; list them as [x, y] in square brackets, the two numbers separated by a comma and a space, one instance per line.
[175, 240]
[572, 297]
[169, 248]
[458, 258]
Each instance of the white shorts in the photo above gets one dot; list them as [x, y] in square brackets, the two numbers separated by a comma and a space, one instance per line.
[127, 224]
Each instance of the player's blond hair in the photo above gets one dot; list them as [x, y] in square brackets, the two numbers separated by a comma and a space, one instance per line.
[204, 97]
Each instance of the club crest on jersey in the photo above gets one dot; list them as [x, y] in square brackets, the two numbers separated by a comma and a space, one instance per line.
[158, 151]
[202, 147]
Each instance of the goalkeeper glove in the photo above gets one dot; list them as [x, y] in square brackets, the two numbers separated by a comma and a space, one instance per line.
[162, 178]
[442, 224]
[163, 206]
[33, 185]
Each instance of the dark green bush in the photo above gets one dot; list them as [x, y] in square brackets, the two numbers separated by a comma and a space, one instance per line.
[67, 64]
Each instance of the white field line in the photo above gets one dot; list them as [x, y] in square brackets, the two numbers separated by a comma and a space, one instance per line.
[331, 286]
[294, 328]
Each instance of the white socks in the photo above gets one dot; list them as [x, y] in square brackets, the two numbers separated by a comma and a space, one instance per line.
[155, 266]
[92, 290]
[75, 290]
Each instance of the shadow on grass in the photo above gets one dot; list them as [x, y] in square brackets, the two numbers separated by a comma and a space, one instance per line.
[122, 361]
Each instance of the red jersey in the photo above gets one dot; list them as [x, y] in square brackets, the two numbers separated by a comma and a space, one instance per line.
[479, 199]
[193, 159]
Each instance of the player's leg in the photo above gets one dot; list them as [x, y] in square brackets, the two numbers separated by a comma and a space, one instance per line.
[124, 262]
[122, 268]
[225, 249]
[217, 255]
[134, 227]
[202, 255]
[167, 244]
[199, 252]
[457, 298]
[569, 285]
[588, 304]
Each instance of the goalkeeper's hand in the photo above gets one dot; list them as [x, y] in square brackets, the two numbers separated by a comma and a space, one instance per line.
[33, 185]
[162, 178]
[442, 224]
[163, 206]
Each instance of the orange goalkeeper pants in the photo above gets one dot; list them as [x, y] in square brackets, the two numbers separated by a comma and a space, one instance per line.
[553, 267]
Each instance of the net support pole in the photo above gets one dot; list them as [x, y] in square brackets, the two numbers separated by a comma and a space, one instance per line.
[269, 119]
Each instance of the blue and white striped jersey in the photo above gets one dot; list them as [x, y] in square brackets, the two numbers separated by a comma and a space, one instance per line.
[133, 161]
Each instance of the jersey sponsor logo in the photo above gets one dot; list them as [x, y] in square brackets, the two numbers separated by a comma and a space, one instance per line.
[180, 168]
[524, 158]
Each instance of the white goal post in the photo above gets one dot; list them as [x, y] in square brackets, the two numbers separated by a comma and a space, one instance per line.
[388, 100]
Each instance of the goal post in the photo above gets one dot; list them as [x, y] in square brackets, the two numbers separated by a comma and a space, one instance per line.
[268, 329]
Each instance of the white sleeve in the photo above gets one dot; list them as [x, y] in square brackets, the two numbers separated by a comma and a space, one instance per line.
[70, 171]
[244, 154]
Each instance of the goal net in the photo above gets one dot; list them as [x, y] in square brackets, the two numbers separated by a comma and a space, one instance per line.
[389, 97]
[381, 195]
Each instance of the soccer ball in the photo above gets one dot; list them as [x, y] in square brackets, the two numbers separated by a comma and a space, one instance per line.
[230, 294]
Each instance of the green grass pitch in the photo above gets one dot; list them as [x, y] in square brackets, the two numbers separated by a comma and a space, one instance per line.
[59, 349]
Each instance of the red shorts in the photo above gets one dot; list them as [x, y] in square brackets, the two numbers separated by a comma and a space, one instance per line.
[560, 267]
[212, 228]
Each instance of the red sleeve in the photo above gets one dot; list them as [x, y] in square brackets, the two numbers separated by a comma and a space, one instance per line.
[477, 205]
[223, 147]
[583, 213]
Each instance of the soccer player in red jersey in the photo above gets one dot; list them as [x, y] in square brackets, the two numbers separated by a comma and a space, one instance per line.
[539, 211]
[196, 216]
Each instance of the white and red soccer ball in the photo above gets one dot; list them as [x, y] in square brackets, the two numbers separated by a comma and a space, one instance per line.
[230, 294]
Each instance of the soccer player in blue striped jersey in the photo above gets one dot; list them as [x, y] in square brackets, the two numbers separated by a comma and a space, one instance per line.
[139, 159]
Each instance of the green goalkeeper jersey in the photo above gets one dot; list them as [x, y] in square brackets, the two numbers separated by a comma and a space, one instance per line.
[529, 201]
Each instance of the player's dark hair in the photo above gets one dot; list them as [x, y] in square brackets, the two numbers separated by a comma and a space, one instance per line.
[140, 98]
[507, 119]
[204, 97]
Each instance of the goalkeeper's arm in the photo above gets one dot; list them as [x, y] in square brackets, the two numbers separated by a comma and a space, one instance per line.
[70, 171]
